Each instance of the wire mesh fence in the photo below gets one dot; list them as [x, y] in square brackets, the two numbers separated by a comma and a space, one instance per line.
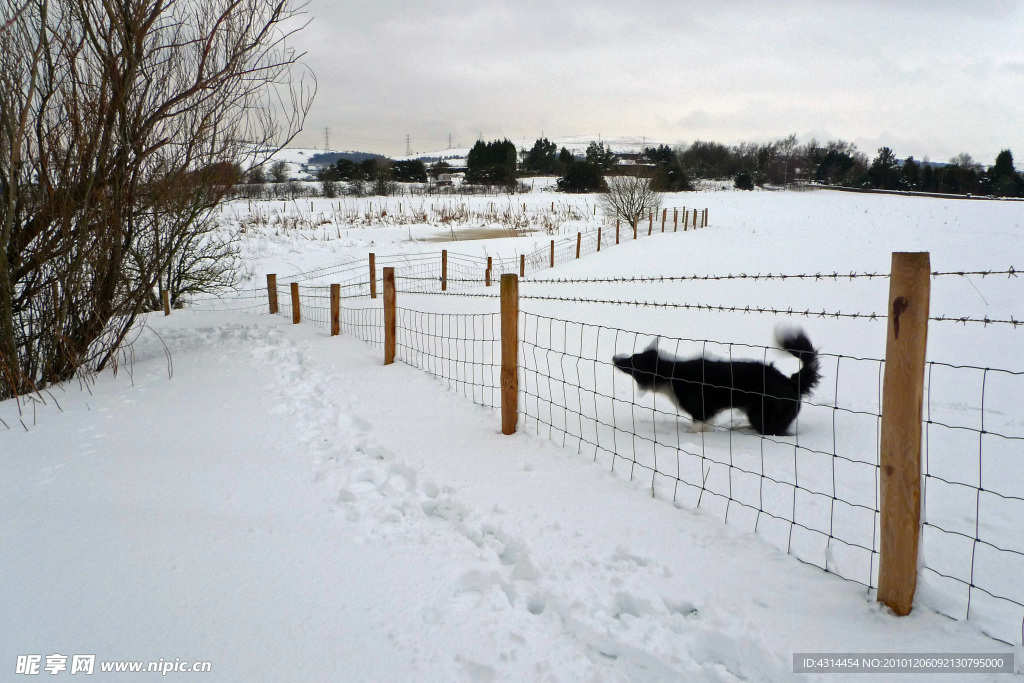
[461, 350]
[366, 324]
[973, 540]
[814, 494]
[422, 273]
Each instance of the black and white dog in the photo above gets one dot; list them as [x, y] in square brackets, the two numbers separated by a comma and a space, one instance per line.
[702, 388]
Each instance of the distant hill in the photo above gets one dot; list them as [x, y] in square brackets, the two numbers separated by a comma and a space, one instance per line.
[327, 158]
[304, 163]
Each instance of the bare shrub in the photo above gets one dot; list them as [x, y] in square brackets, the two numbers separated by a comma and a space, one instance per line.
[122, 125]
[629, 198]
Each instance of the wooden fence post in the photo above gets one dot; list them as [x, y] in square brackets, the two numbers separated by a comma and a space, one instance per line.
[522, 265]
[695, 219]
[389, 316]
[900, 457]
[616, 231]
[272, 292]
[487, 273]
[579, 243]
[664, 215]
[167, 302]
[335, 310]
[599, 239]
[675, 220]
[296, 308]
[552, 253]
[705, 218]
[686, 219]
[444, 270]
[509, 353]
[650, 223]
[373, 277]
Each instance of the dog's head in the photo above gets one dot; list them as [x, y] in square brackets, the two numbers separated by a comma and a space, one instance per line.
[642, 367]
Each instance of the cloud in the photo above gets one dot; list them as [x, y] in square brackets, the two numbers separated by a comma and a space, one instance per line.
[669, 70]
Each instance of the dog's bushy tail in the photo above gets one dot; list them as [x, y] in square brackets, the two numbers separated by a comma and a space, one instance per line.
[795, 342]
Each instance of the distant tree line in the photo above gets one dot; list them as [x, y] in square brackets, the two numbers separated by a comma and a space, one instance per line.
[962, 175]
[783, 162]
[413, 171]
[838, 162]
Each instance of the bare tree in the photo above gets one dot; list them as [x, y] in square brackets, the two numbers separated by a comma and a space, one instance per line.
[629, 198]
[787, 148]
[279, 172]
[966, 161]
[122, 125]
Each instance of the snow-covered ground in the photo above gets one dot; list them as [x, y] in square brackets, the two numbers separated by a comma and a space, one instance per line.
[276, 502]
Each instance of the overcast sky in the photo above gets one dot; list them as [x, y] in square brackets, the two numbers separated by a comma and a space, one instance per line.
[927, 78]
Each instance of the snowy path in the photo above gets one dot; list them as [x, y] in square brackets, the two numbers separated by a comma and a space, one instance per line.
[288, 509]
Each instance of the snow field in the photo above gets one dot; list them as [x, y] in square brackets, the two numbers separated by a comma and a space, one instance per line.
[814, 495]
[287, 508]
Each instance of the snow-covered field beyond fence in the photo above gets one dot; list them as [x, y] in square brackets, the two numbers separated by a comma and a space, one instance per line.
[275, 501]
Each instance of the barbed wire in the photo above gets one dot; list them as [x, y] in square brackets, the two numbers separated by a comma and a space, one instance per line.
[804, 313]
[729, 276]
[985, 321]
[834, 276]
[1010, 272]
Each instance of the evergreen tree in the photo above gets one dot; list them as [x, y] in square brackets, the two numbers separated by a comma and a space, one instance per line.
[582, 176]
[669, 175]
[661, 155]
[492, 163]
[366, 169]
[1004, 164]
[601, 156]
[885, 173]
[542, 157]
[328, 174]
[841, 164]
[1002, 180]
[929, 183]
[912, 173]
[413, 171]
[346, 169]
[565, 158]
[743, 181]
